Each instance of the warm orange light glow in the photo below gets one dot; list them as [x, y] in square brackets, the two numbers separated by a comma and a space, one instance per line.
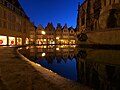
[43, 32]
[57, 49]
[27, 41]
[57, 38]
[3, 40]
[44, 46]
[43, 54]
[11, 40]
[19, 41]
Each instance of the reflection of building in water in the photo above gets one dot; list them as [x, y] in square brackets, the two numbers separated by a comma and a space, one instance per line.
[53, 52]
[65, 53]
[98, 75]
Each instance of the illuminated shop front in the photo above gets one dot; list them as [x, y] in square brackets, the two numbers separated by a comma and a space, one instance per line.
[51, 41]
[57, 40]
[41, 41]
[3, 40]
[11, 40]
[19, 41]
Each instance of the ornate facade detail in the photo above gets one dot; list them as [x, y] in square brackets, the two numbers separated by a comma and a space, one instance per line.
[97, 15]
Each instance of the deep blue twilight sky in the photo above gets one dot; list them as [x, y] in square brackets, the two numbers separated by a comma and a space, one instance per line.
[55, 11]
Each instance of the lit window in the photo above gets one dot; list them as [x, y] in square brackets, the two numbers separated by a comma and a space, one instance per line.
[3, 40]
[11, 40]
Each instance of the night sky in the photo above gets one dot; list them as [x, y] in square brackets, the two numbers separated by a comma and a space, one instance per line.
[55, 11]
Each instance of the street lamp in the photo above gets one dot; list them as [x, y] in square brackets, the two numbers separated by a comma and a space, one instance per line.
[43, 32]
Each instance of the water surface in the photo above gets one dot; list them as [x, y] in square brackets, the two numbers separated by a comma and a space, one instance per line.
[96, 68]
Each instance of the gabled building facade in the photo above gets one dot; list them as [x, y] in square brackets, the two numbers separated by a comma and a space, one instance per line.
[58, 32]
[65, 35]
[40, 35]
[50, 35]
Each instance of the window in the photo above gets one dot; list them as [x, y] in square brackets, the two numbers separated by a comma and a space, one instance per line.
[13, 19]
[19, 41]
[3, 40]
[5, 3]
[83, 20]
[0, 23]
[11, 26]
[113, 1]
[104, 2]
[0, 12]
[18, 20]
[4, 14]
[83, 17]
[4, 25]
[24, 31]
[18, 27]
[11, 40]
[110, 2]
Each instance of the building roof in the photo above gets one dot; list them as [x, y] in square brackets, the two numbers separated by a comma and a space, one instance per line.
[17, 5]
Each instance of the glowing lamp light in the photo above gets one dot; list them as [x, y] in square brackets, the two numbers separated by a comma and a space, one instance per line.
[43, 32]
[43, 54]
[57, 38]
[57, 49]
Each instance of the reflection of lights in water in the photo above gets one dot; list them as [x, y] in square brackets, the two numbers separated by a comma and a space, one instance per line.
[73, 46]
[57, 49]
[27, 47]
[44, 39]
[62, 46]
[32, 47]
[18, 49]
[44, 46]
[57, 37]
[43, 54]
[39, 46]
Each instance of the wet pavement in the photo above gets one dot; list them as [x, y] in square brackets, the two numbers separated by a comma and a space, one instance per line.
[18, 73]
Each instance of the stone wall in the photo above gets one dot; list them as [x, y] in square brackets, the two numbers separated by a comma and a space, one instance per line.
[109, 36]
